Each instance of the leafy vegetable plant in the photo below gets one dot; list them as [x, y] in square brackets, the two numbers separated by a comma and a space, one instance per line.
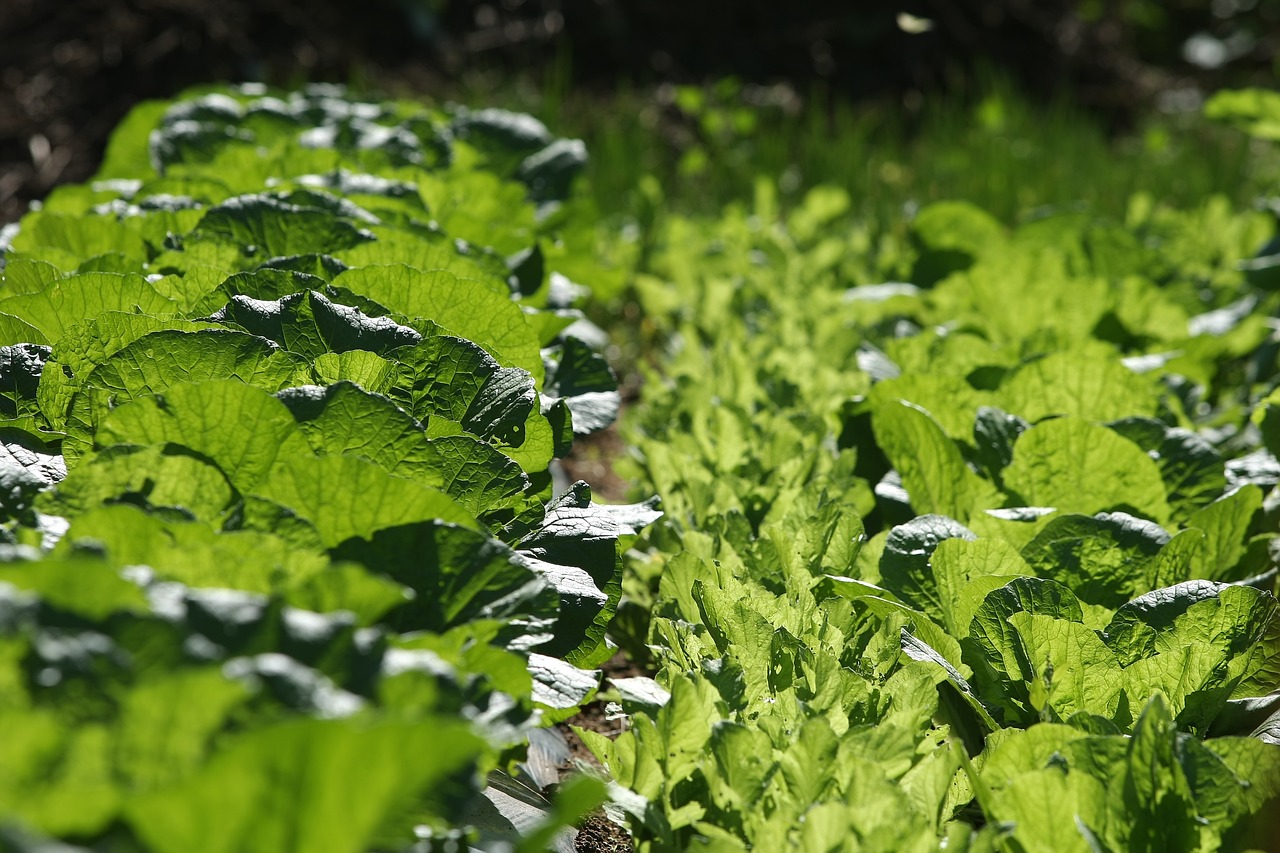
[282, 563]
[970, 536]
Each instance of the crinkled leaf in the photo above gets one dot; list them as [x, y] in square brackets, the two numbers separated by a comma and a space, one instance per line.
[65, 302]
[266, 227]
[1076, 466]
[1106, 559]
[241, 429]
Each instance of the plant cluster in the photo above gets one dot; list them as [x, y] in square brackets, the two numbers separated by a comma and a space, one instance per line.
[985, 559]
[283, 565]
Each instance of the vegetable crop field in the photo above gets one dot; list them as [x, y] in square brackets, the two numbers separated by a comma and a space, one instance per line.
[941, 529]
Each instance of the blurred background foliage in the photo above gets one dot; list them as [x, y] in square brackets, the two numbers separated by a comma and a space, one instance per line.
[1007, 102]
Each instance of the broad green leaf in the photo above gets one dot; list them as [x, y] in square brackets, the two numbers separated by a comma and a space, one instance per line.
[1048, 807]
[426, 253]
[306, 785]
[1083, 384]
[167, 723]
[20, 369]
[265, 227]
[28, 275]
[348, 587]
[57, 779]
[1002, 671]
[370, 371]
[346, 497]
[1155, 810]
[459, 381]
[1070, 669]
[157, 361]
[16, 331]
[241, 429]
[459, 575]
[128, 151]
[310, 325]
[1192, 469]
[964, 571]
[465, 307]
[195, 553]
[149, 477]
[580, 539]
[1226, 523]
[1105, 559]
[344, 419]
[1075, 466]
[904, 564]
[67, 301]
[77, 237]
[87, 345]
[933, 471]
[92, 589]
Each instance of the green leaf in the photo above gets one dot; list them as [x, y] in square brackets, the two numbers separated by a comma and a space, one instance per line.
[149, 477]
[241, 429]
[1255, 111]
[157, 361]
[1226, 523]
[1082, 384]
[312, 784]
[994, 650]
[344, 497]
[265, 227]
[89, 588]
[16, 331]
[933, 471]
[370, 371]
[72, 239]
[465, 307]
[578, 537]
[28, 275]
[965, 570]
[587, 385]
[67, 301]
[904, 564]
[194, 553]
[85, 346]
[1155, 808]
[344, 419]
[459, 381]
[1105, 559]
[458, 576]
[1069, 666]
[310, 324]
[1075, 466]
[1192, 469]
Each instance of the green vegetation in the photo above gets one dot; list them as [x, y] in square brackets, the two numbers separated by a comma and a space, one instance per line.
[988, 557]
[278, 511]
[969, 511]
[705, 146]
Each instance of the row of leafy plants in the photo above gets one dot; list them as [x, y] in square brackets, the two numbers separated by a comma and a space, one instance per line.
[284, 565]
[984, 559]
[970, 539]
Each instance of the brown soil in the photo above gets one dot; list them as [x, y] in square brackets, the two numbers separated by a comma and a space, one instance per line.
[591, 460]
[598, 834]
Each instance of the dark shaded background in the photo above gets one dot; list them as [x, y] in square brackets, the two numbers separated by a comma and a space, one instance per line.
[70, 69]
